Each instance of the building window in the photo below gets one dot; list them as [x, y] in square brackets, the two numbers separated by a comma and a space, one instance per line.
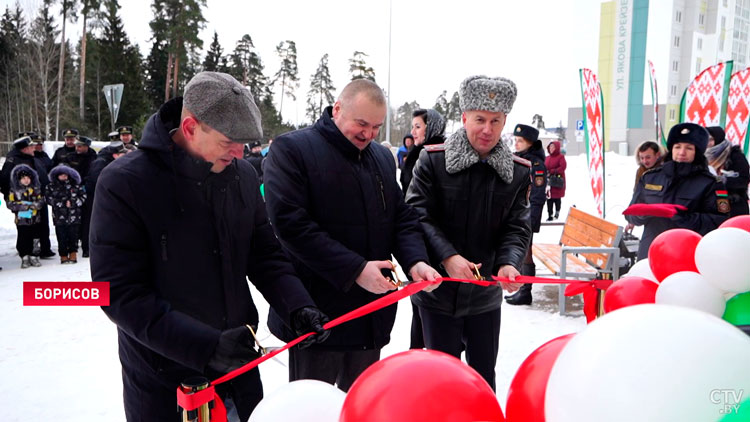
[698, 65]
[726, 3]
[700, 43]
[671, 115]
[675, 66]
[673, 90]
[678, 16]
[676, 40]
[701, 18]
[723, 22]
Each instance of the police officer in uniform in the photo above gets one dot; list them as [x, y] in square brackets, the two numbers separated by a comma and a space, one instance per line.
[471, 195]
[126, 135]
[683, 179]
[529, 147]
[61, 154]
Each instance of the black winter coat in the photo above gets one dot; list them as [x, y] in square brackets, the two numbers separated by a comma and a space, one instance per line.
[95, 171]
[177, 244]
[256, 160]
[334, 208]
[688, 184]
[737, 185]
[81, 162]
[538, 196]
[61, 155]
[411, 160]
[44, 162]
[58, 193]
[474, 213]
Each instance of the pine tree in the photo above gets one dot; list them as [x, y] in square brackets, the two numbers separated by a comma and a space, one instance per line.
[358, 67]
[42, 68]
[69, 11]
[89, 8]
[247, 67]
[287, 76]
[441, 104]
[321, 90]
[214, 57]
[453, 116]
[13, 100]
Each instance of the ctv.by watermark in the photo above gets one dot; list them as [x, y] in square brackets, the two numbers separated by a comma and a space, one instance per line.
[728, 399]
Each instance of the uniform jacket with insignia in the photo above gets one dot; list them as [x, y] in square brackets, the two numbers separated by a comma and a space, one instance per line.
[538, 197]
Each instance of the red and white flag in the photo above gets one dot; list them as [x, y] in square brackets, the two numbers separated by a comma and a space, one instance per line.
[655, 100]
[593, 124]
[738, 109]
[705, 99]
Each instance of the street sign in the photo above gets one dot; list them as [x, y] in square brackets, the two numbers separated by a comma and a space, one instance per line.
[113, 94]
[579, 135]
[579, 124]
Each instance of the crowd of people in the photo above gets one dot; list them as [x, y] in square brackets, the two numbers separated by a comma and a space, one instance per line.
[181, 220]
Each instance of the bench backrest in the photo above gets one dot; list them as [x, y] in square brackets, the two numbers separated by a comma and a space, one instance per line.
[582, 229]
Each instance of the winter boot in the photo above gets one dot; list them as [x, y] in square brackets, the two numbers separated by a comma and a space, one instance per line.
[557, 215]
[550, 218]
[73, 257]
[35, 261]
[521, 297]
[47, 255]
[64, 259]
[25, 261]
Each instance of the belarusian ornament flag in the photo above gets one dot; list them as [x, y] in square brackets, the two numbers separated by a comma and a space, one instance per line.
[738, 109]
[705, 99]
[593, 125]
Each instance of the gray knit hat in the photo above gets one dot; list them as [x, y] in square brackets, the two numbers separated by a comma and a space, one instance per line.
[221, 102]
[488, 94]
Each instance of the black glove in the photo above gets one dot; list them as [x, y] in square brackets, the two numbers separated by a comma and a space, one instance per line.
[236, 347]
[307, 319]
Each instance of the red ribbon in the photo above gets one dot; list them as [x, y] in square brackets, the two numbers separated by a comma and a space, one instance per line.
[654, 210]
[193, 401]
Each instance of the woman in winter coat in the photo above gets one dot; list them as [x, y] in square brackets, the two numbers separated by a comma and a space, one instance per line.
[66, 196]
[732, 167]
[556, 165]
[427, 128]
[25, 200]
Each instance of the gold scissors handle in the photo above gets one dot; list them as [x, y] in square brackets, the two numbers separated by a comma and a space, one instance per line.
[477, 275]
[396, 281]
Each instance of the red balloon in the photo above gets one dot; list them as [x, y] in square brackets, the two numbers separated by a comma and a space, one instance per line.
[420, 385]
[740, 222]
[529, 386]
[673, 251]
[629, 291]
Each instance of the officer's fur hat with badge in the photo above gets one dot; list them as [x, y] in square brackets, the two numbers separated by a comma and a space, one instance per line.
[526, 132]
[690, 133]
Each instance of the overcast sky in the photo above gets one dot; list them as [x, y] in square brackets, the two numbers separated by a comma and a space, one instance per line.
[538, 44]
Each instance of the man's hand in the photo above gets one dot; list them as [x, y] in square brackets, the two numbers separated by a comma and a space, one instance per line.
[372, 280]
[509, 271]
[310, 319]
[236, 347]
[458, 267]
[629, 228]
[421, 271]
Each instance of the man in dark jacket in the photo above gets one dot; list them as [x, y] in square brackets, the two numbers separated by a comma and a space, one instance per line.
[178, 227]
[81, 161]
[683, 179]
[529, 147]
[336, 207]
[735, 172]
[255, 158]
[125, 134]
[39, 154]
[471, 195]
[61, 154]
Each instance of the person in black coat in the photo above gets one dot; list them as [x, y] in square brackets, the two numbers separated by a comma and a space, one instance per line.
[81, 162]
[732, 167]
[70, 136]
[470, 194]
[178, 228]
[66, 195]
[529, 147]
[338, 211]
[427, 128]
[683, 179]
[39, 154]
[255, 158]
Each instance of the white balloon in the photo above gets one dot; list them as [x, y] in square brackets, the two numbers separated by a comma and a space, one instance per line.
[302, 400]
[642, 269]
[722, 257]
[691, 290]
[650, 363]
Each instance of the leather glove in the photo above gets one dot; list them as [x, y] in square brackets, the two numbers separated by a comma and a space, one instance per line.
[307, 319]
[236, 347]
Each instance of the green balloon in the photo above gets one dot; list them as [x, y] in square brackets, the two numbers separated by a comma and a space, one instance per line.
[738, 309]
[741, 415]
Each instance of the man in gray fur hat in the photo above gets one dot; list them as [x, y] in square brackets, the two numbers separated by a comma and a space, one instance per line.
[472, 197]
[178, 228]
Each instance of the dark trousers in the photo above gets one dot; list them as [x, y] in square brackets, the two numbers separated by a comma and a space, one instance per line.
[83, 231]
[417, 338]
[554, 203]
[528, 267]
[41, 231]
[67, 238]
[334, 367]
[25, 239]
[478, 334]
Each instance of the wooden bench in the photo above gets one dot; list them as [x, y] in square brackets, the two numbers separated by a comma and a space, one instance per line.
[594, 240]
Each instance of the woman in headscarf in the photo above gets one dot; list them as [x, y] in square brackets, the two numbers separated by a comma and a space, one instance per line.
[427, 128]
[731, 166]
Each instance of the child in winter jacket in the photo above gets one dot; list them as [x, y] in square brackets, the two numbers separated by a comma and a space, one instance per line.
[25, 200]
[66, 196]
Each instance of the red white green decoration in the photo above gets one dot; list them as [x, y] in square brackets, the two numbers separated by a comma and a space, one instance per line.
[655, 100]
[593, 124]
[738, 109]
[705, 99]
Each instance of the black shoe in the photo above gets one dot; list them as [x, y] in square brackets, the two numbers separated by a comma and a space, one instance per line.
[47, 255]
[85, 254]
[521, 297]
[557, 214]
[550, 218]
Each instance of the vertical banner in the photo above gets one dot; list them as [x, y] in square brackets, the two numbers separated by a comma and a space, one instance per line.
[705, 99]
[738, 107]
[593, 124]
[655, 99]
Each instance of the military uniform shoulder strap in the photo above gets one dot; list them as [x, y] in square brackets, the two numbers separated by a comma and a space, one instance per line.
[434, 148]
[522, 161]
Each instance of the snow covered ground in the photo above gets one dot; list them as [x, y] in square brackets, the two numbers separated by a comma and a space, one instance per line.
[60, 363]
